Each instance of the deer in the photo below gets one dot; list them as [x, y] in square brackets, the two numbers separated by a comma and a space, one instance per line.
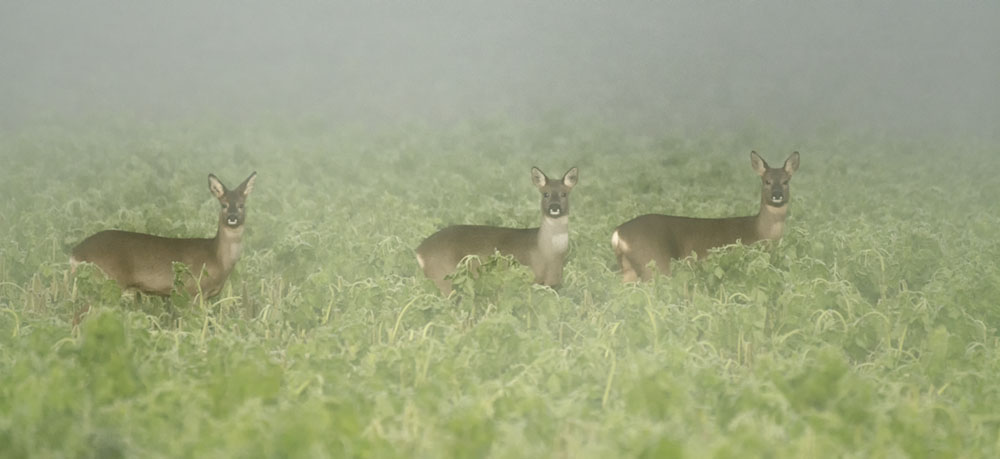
[144, 262]
[660, 238]
[543, 249]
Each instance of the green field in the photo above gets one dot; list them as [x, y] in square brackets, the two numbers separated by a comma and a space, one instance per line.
[870, 330]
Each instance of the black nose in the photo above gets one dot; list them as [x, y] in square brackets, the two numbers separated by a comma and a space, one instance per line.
[554, 208]
[777, 196]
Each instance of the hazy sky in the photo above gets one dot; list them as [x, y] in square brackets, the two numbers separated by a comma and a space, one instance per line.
[913, 66]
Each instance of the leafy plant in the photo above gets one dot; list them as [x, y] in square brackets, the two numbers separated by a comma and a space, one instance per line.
[869, 330]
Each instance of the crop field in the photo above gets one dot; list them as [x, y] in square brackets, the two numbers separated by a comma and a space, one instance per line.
[869, 330]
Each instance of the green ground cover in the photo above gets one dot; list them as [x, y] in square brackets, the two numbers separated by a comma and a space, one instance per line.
[871, 330]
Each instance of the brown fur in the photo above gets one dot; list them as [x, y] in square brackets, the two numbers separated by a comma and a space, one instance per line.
[543, 249]
[144, 262]
[660, 238]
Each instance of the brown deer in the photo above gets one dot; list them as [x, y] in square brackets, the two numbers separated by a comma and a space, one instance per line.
[144, 262]
[542, 249]
[659, 238]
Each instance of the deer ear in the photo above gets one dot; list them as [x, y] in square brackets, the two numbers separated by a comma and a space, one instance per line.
[571, 177]
[792, 163]
[758, 164]
[247, 185]
[216, 187]
[538, 177]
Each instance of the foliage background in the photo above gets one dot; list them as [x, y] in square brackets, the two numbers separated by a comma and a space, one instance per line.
[869, 331]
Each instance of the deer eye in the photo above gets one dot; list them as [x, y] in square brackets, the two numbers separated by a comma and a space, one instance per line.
[240, 206]
[546, 194]
[769, 182]
[563, 194]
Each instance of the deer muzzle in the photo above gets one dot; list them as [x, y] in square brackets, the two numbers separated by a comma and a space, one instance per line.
[777, 197]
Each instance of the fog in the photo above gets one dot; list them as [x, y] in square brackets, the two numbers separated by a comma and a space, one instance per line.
[904, 67]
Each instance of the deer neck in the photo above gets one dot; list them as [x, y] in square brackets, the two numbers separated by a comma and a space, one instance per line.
[553, 235]
[228, 245]
[770, 221]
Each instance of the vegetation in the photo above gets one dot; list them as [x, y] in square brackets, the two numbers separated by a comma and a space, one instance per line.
[870, 330]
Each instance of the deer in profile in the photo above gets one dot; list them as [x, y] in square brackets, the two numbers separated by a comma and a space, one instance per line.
[659, 238]
[145, 262]
[543, 249]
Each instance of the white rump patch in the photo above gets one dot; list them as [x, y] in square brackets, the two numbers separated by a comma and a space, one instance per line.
[617, 242]
[560, 242]
[420, 261]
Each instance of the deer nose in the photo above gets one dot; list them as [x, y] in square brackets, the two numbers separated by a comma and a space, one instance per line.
[777, 196]
[555, 209]
[232, 219]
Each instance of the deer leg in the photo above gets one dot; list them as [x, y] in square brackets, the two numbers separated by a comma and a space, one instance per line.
[662, 266]
[629, 273]
[444, 285]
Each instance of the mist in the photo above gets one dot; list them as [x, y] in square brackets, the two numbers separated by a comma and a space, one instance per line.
[911, 68]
